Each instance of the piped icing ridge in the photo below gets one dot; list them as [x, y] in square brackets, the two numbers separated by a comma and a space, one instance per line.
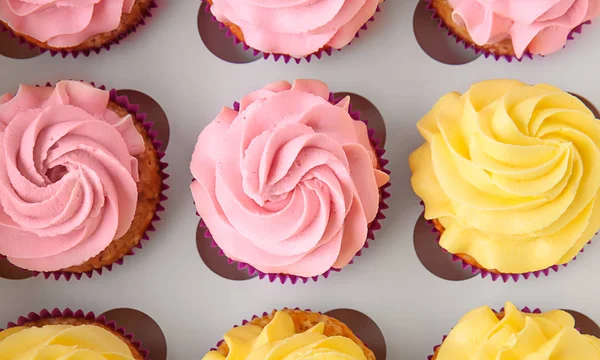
[538, 26]
[63, 23]
[512, 172]
[62, 342]
[68, 175]
[279, 340]
[289, 183]
[296, 27]
[480, 334]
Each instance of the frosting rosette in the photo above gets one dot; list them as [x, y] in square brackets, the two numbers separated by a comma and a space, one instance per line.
[63, 23]
[62, 342]
[540, 26]
[295, 27]
[67, 175]
[289, 182]
[516, 335]
[512, 173]
[279, 340]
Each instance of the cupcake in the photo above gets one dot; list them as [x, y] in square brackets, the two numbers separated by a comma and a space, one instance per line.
[509, 174]
[514, 28]
[513, 334]
[291, 334]
[80, 178]
[288, 182]
[72, 26]
[67, 335]
[296, 29]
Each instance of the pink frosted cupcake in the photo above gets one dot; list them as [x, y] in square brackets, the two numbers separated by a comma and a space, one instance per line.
[514, 28]
[289, 183]
[294, 28]
[80, 178]
[73, 25]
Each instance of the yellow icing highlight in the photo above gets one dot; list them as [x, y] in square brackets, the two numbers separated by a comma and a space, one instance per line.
[480, 335]
[279, 341]
[62, 342]
[512, 172]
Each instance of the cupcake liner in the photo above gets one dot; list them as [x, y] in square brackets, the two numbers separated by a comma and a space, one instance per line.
[375, 225]
[286, 58]
[80, 314]
[526, 310]
[442, 25]
[495, 276]
[75, 53]
[123, 101]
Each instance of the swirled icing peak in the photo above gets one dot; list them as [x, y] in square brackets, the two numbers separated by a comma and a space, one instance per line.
[296, 27]
[289, 183]
[279, 340]
[482, 334]
[62, 342]
[512, 172]
[67, 175]
[63, 23]
[538, 26]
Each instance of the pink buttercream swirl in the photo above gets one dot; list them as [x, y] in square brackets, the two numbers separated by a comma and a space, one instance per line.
[289, 183]
[538, 26]
[63, 23]
[68, 175]
[296, 27]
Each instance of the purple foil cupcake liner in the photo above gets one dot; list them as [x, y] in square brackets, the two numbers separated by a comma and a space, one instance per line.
[80, 314]
[375, 225]
[286, 58]
[64, 53]
[495, 276]
[525, 310]
[487, 54]
[133, 109]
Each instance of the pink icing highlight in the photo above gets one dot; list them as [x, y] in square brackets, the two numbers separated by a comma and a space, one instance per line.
[67, 175]
[538, 26]
[296, 27]
[283, 184]
[63, 23]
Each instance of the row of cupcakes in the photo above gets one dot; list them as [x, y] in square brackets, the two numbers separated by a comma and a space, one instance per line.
[482, 333]
[290, 182]
[302, 29]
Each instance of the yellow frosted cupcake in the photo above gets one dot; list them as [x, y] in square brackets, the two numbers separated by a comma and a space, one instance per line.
[67, 336]
[509, 174]
[517, 335]
[291, 334]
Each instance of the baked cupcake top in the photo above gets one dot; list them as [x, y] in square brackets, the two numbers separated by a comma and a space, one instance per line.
[63, 342]
[516, 335]
[63, 23]
[278, 340]
[296, 27]
[289, 182]
[512, 172]
[67, 175]
[540, 27]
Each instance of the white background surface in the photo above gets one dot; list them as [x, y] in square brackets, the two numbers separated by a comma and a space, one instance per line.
[194, 307]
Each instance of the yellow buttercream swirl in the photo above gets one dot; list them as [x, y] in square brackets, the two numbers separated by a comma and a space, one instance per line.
[279, 341]
[480, 335]
[512, 172]
[62, 342]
